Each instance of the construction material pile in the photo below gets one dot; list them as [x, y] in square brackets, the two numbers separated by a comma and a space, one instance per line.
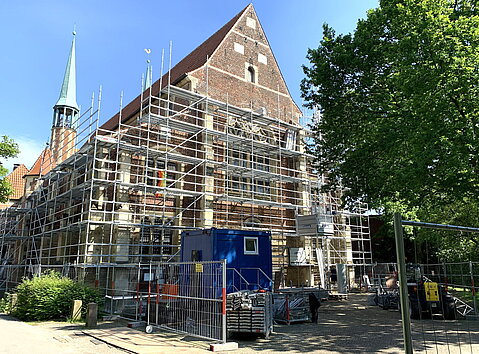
[291, 307]
[250, 312]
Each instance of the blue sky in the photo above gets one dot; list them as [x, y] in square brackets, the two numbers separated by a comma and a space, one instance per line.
[35, 38]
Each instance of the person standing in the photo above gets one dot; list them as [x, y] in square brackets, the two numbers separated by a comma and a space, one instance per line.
[314, 305]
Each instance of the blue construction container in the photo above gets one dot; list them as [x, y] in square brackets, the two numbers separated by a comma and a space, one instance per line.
[248, 255]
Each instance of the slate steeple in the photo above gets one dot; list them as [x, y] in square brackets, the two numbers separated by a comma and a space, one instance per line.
[66, 109]
[65, 114]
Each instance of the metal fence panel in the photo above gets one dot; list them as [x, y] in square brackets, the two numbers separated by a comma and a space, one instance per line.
[184, 297]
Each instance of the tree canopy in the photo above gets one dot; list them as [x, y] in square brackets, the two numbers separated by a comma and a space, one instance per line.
[8, 148]
[399, 103]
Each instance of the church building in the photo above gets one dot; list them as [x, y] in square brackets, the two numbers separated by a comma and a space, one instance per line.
[214, 142]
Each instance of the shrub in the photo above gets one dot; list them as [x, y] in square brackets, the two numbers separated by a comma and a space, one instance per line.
[50, 297]
[6, 304]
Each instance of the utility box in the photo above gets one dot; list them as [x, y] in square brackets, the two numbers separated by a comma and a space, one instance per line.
[314, 225]
[247, 253]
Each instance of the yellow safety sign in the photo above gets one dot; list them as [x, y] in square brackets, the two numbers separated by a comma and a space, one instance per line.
[432, 292]
[199, 268]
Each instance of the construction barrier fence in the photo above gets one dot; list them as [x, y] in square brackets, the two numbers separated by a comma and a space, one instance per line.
[438, 301]
[184, 297]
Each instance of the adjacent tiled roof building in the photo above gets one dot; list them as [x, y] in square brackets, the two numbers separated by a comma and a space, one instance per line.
[17, 181]
[18, 184]
[42, 165]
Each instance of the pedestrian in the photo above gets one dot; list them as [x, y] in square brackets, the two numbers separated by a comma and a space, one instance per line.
[334, 274]
[314, 305]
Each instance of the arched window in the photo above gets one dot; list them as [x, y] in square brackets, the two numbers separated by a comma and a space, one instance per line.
[252, 221]
[251, 74]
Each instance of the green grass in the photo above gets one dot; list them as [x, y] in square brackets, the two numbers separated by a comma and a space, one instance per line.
[464, 294]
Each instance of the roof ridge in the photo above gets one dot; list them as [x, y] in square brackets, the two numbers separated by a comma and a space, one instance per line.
[194, 60]
[41, 165]
[228, 25]
[16, 180]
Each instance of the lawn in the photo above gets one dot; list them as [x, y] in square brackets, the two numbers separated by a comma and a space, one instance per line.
[465, 294]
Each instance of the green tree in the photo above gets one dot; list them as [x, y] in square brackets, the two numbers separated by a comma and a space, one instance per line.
[399, 101]
[8, 148]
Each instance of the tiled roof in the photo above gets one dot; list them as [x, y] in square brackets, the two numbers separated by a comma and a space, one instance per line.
[192, 61]
[17, 181]
[43, 164]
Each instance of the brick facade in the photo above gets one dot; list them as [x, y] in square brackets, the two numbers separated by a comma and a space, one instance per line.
[228, 76]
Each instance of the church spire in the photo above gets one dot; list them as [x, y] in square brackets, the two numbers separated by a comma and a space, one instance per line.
[65, 114]
[68, 95]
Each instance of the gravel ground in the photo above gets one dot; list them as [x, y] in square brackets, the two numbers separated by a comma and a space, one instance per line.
[348, 326]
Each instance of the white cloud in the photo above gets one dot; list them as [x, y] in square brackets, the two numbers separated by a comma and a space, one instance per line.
[29, 151]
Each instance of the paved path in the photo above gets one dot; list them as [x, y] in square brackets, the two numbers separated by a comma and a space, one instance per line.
[352, 326]
[344, 327]
[110, 338]
[137, 341]
[19, 337]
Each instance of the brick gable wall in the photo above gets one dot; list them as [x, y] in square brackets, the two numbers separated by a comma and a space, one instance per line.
[228, 78]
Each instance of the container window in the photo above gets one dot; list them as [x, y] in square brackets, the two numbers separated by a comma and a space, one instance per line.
[250, 245]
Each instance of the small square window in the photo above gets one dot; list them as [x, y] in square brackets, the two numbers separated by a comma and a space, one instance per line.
[250, 245]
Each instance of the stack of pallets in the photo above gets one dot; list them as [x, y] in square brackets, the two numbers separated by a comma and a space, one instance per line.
[250, 312]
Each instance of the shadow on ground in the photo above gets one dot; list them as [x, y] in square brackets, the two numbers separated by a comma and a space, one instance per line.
[348, 326]
[351, 326]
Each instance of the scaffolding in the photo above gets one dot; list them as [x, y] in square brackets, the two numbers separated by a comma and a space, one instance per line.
[184, 161]
[343, 232]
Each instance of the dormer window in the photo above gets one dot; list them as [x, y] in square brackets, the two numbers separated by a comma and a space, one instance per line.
[251, 74]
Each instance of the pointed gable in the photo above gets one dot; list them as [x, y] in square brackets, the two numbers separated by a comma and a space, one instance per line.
[42, 165]
[17, 181]
[247, 42]
[245, 55]
[196, 59]
[228, 72]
